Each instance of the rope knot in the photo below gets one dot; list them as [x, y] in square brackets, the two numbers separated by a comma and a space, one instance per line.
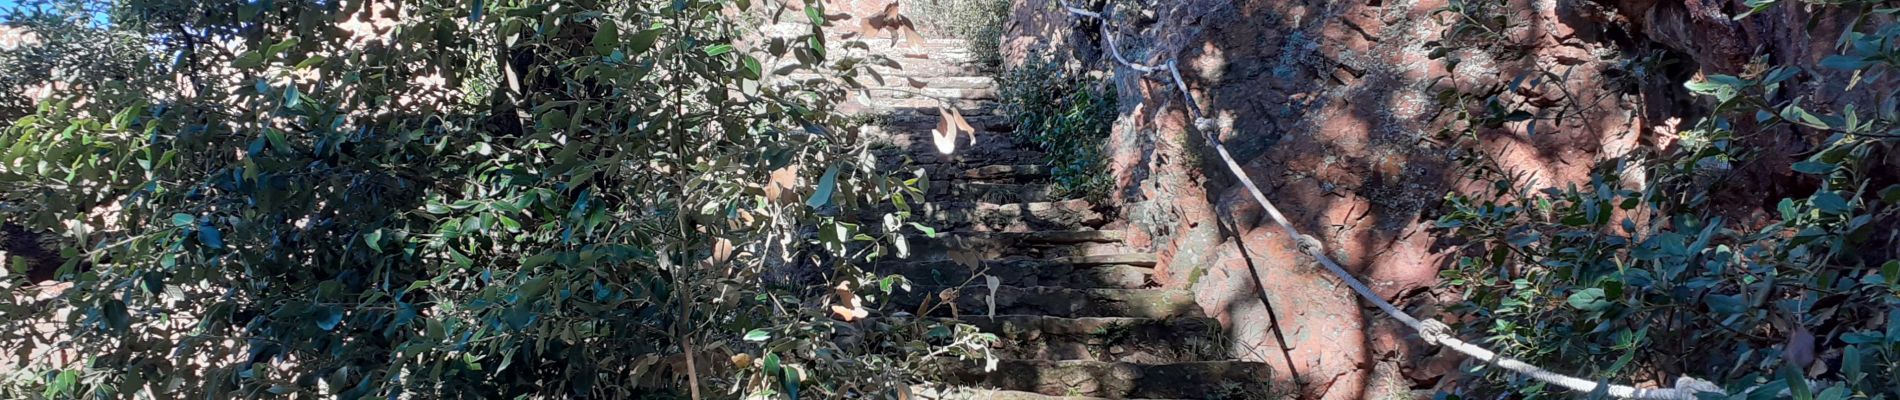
[1205, 124]
[1311, 246]
[1431, 330]
[1693, 385]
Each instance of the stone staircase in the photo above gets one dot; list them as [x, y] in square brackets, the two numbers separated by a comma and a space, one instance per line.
[1078, 311]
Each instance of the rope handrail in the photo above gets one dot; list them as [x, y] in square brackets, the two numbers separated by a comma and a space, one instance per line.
[1431, 330]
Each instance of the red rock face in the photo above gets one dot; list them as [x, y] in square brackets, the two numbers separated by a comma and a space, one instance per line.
[1332, 108]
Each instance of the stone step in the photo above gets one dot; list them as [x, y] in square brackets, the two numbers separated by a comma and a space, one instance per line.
[1049, 237]
[915, 136]
[902, 93]
[913, 67]
[931, 392]
[1136, 259]
[1136, 340]
[1024, 272]
[908, 81]
[1196, 380]
[1034, 244]
[1074, 214]
[967, 106]
[793, 23]
[1093, 260]
[1053, 301]
[897, 140]
[991, 192]
[963, 75]
[905, 81]
[928, 118]
[916, 63]
[958, 82]
[914, 157]
[884, 108]
[1019, 173]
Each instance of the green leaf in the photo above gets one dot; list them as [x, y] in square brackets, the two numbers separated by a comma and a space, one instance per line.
[1851, 363]
[1755, 7]
[291, 97]
[607, 38]
[791, 383]
[374, 239]
[539, 259]
[1725, 304]
[771, 363]
[750, 68]
[63, 384]
[1830, 202]
[115, 315]
[816, 16]
[553, 120]
[250, 59]
[1814, 168]
[718, 49]
[1802, 116]
[643, 41]
[277, 141]
[210, 236]
[928, 231]
[327, 317]
[758, 335]
[125, 117]
[283, 45]
[1845, 62]
[183, 220]
[1704, 87]
[461, 260]
[536, 287]
[1836, 392]
[1891, 271]
[1591, 299]
[310, 62]
[826, 185]
[1797, 384]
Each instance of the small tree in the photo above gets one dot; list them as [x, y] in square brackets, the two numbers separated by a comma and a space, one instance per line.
[446, 199]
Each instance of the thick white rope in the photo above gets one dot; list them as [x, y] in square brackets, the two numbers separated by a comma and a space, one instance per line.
[1431, 330]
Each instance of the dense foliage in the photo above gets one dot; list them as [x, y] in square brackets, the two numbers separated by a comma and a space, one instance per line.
[1068, 115]
[447, 199]
[1647, 272]
[85, 57]
[978, 22]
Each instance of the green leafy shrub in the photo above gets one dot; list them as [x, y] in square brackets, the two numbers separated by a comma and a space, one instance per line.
[1069, 117]
[453, 199]
[87, 56]
[978, 22]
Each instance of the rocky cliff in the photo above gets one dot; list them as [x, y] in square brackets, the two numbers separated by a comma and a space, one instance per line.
[1346, 113]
